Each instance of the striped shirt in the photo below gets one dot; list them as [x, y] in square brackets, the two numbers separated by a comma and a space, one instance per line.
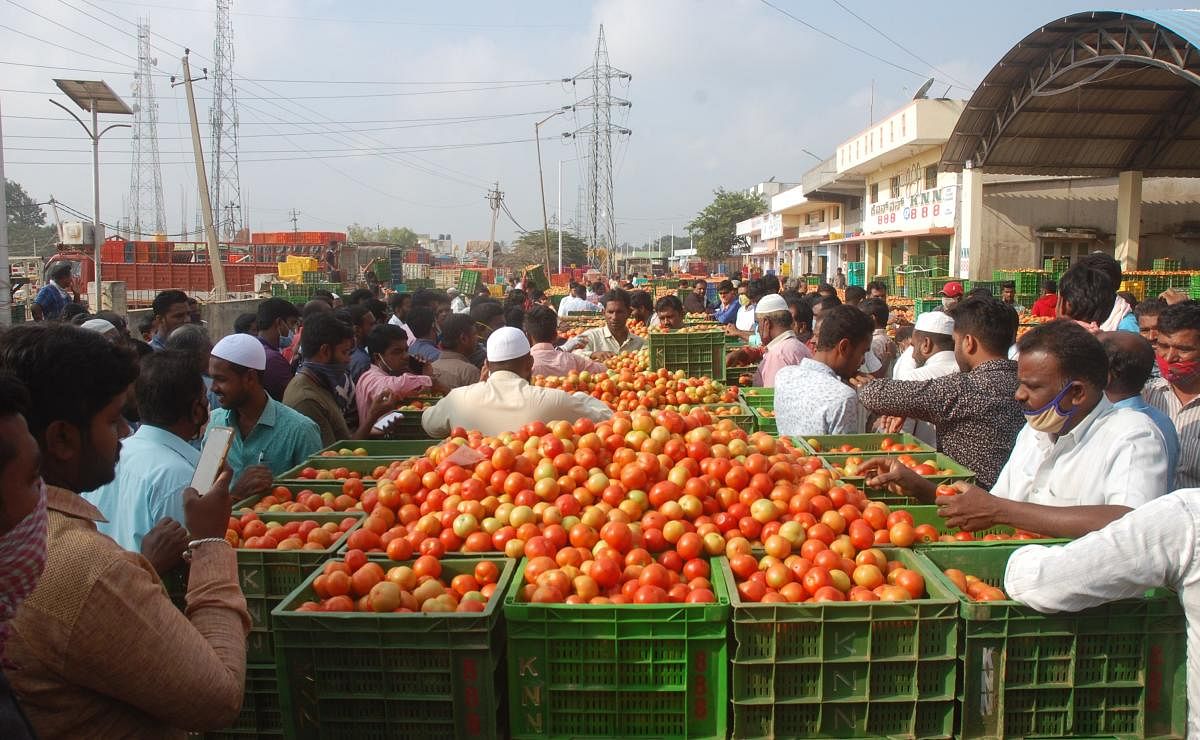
[1159, 394]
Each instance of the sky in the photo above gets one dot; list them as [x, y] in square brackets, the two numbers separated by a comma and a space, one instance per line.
[404, 113]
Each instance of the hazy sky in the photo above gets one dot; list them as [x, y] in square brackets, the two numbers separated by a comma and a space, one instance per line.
[724, 92]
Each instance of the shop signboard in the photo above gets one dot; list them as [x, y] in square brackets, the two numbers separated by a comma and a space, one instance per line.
[772, 226]
[924, 209]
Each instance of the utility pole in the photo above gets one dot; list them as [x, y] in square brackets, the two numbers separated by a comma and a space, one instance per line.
[220, 292]
[559, 214]
[494, 198]
[295, 217]
[537, 138]
[5, 269]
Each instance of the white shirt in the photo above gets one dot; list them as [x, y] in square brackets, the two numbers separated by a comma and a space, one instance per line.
[1113, 456]
[745, 320]
[458, 304]
[570, 304]
[810, 399]
[1153, 546]
[936, 365]
[394, 321]
[504, 403]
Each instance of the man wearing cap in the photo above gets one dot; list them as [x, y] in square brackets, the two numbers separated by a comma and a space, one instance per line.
[782, 347]
[103, 327]
[458, 304]
[268, 437]
[506, 401]
[931, 355]
[952, 293]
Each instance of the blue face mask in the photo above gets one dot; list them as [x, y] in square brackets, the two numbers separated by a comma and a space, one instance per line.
[285, 340]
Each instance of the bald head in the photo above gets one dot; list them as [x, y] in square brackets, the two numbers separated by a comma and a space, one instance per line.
[315, 306]
[1130, 362]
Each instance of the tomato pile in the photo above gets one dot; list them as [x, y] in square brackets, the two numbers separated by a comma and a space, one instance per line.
[619, 573]
[628, 390]
[820, 574]
[850, 466]
[887, 445]
[345, 452]
[356, 584]
[250, 532]
[974, 588]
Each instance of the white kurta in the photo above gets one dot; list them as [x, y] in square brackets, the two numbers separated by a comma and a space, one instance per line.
[936, 365]
[504, 403]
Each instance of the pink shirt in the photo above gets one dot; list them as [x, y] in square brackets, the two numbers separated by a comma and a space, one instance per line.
[783, 350]
[375, 381]
[549, 361]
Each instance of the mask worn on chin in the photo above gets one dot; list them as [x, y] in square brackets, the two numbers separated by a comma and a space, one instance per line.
[1050, 418]
[948, 302]
[744, 300]
[1177, 372]
[22, 559]
[285, 340]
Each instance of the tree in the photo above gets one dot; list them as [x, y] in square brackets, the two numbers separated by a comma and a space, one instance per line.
[715, 227]
[27, 229]
[530, 249]
[400, 236]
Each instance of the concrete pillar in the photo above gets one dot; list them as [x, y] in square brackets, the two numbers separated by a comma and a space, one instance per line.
[1129, 219]
[883, 256]
[965, 251]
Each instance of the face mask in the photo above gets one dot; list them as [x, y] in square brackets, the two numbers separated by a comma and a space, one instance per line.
[22, 558]
[948, 302]
[744, 300]
[336, 377]
[387, 367]
[1177, 372]
[1050, 418]
[285, 341]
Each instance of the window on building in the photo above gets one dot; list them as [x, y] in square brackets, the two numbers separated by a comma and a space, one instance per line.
[894, 186]
[837, 213]
[874, 192]
[892, 130]
[855, 204]
[903, 125]
[931, 173]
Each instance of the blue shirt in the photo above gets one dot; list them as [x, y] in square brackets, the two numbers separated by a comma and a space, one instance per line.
[154, 467]
[282, 439]
[360, 362]
[1128, 322]
[728, 314]
[1164, 424]
[52, 300]
[423, 349]
[156, 343]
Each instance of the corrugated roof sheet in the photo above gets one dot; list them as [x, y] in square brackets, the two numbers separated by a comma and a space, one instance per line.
[1103, 114]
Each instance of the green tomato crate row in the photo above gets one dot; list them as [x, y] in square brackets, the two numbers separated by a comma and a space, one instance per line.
[844, 669]
[942, 462]
[354, 463]
[627, 671]
[927, 514]
[354, 675]
[764, 423]
[827, 444]
[1111, 670]
[698, 354]
[393, 449]
[758, 397]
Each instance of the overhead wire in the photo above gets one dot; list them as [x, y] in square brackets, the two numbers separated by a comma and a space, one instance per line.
[900, 46]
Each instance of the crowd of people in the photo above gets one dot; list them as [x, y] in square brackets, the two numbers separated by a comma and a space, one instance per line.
[1084, 424]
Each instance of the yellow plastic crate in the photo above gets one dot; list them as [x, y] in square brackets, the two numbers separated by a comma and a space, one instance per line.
[1137, 287]
[496, 291]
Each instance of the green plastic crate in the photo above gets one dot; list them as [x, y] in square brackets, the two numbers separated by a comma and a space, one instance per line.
[395, 449]
[364, 465]
[260, 715]
[1027, 281]
[732, 374]
[868, 443]
[318, 487]
[764, 423]
[468, 281]
[1165, 264]
[266, 576]
[621, 671]
[845, 669]
[698, 354]
[758, 397]
[535, 277]
[355, 675]
[1110, 670]
[927, 514]
[943, 462]
[925, 305]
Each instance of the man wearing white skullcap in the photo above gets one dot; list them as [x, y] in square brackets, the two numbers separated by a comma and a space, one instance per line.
[269, 437]
[103, 327]
[782, 347]
[931, 355]
[506, 401]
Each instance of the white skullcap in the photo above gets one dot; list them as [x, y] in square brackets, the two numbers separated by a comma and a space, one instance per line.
[451, 291]
[770, 304]
[507, 343]
[242, 349]
[935, 322]
[871, 363]
[100, 326]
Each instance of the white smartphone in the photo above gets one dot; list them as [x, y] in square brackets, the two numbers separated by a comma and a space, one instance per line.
[388, 418]
[212, 458]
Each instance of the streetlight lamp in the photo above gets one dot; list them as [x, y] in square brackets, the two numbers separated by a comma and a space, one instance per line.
[537, 137]
[97, 97]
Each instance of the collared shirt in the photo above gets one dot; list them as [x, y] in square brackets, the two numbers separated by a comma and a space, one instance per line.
[154, 467]
[52, 299]
[549, 360]
[936, 365]
[1158, 393]
[359, 362]
[811, 399]
[281, 439]
[1112, 456]
[727, 314]
[424, 350]
[157, 343]
[745, 320]
[884, 350]
[976, 416]
[454, 370]
[1155, 545]
[1165, 425]
[601, 339]
[315, 401]
[278, 372]
[782, 351]
[504, 403]
[86, 648]
[395, 321]
[574, 304]
[375, 381]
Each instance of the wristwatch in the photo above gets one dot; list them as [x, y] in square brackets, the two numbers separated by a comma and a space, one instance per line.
[187, 554]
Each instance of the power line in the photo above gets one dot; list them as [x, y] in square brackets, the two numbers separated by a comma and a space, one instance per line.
[504, 207]
[76, 34]
[417, 123]
[57, 46]
[353, 151]
[847, 44]
[897, 44]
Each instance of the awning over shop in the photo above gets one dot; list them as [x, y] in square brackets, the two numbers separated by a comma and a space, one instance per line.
[856, 239]
[932, 231]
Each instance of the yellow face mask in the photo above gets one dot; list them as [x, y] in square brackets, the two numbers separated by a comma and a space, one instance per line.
[744, 299]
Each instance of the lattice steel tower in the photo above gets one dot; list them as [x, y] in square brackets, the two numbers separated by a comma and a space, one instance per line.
[599, 221]
[223, 172]
[147, 214]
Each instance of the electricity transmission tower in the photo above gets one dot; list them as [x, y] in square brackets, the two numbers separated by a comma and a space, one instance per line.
[599, 221]
[148, 214]
[225, 184]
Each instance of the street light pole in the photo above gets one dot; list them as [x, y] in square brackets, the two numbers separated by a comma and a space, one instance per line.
[560, 214]
[537, 138]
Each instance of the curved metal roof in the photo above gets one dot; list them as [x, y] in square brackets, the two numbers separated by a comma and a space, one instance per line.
[1091, 94]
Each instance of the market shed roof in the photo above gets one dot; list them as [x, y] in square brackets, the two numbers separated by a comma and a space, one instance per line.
[1091, 94]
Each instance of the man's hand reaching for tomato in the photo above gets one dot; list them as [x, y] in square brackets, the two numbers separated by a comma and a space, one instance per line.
[970, 509]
